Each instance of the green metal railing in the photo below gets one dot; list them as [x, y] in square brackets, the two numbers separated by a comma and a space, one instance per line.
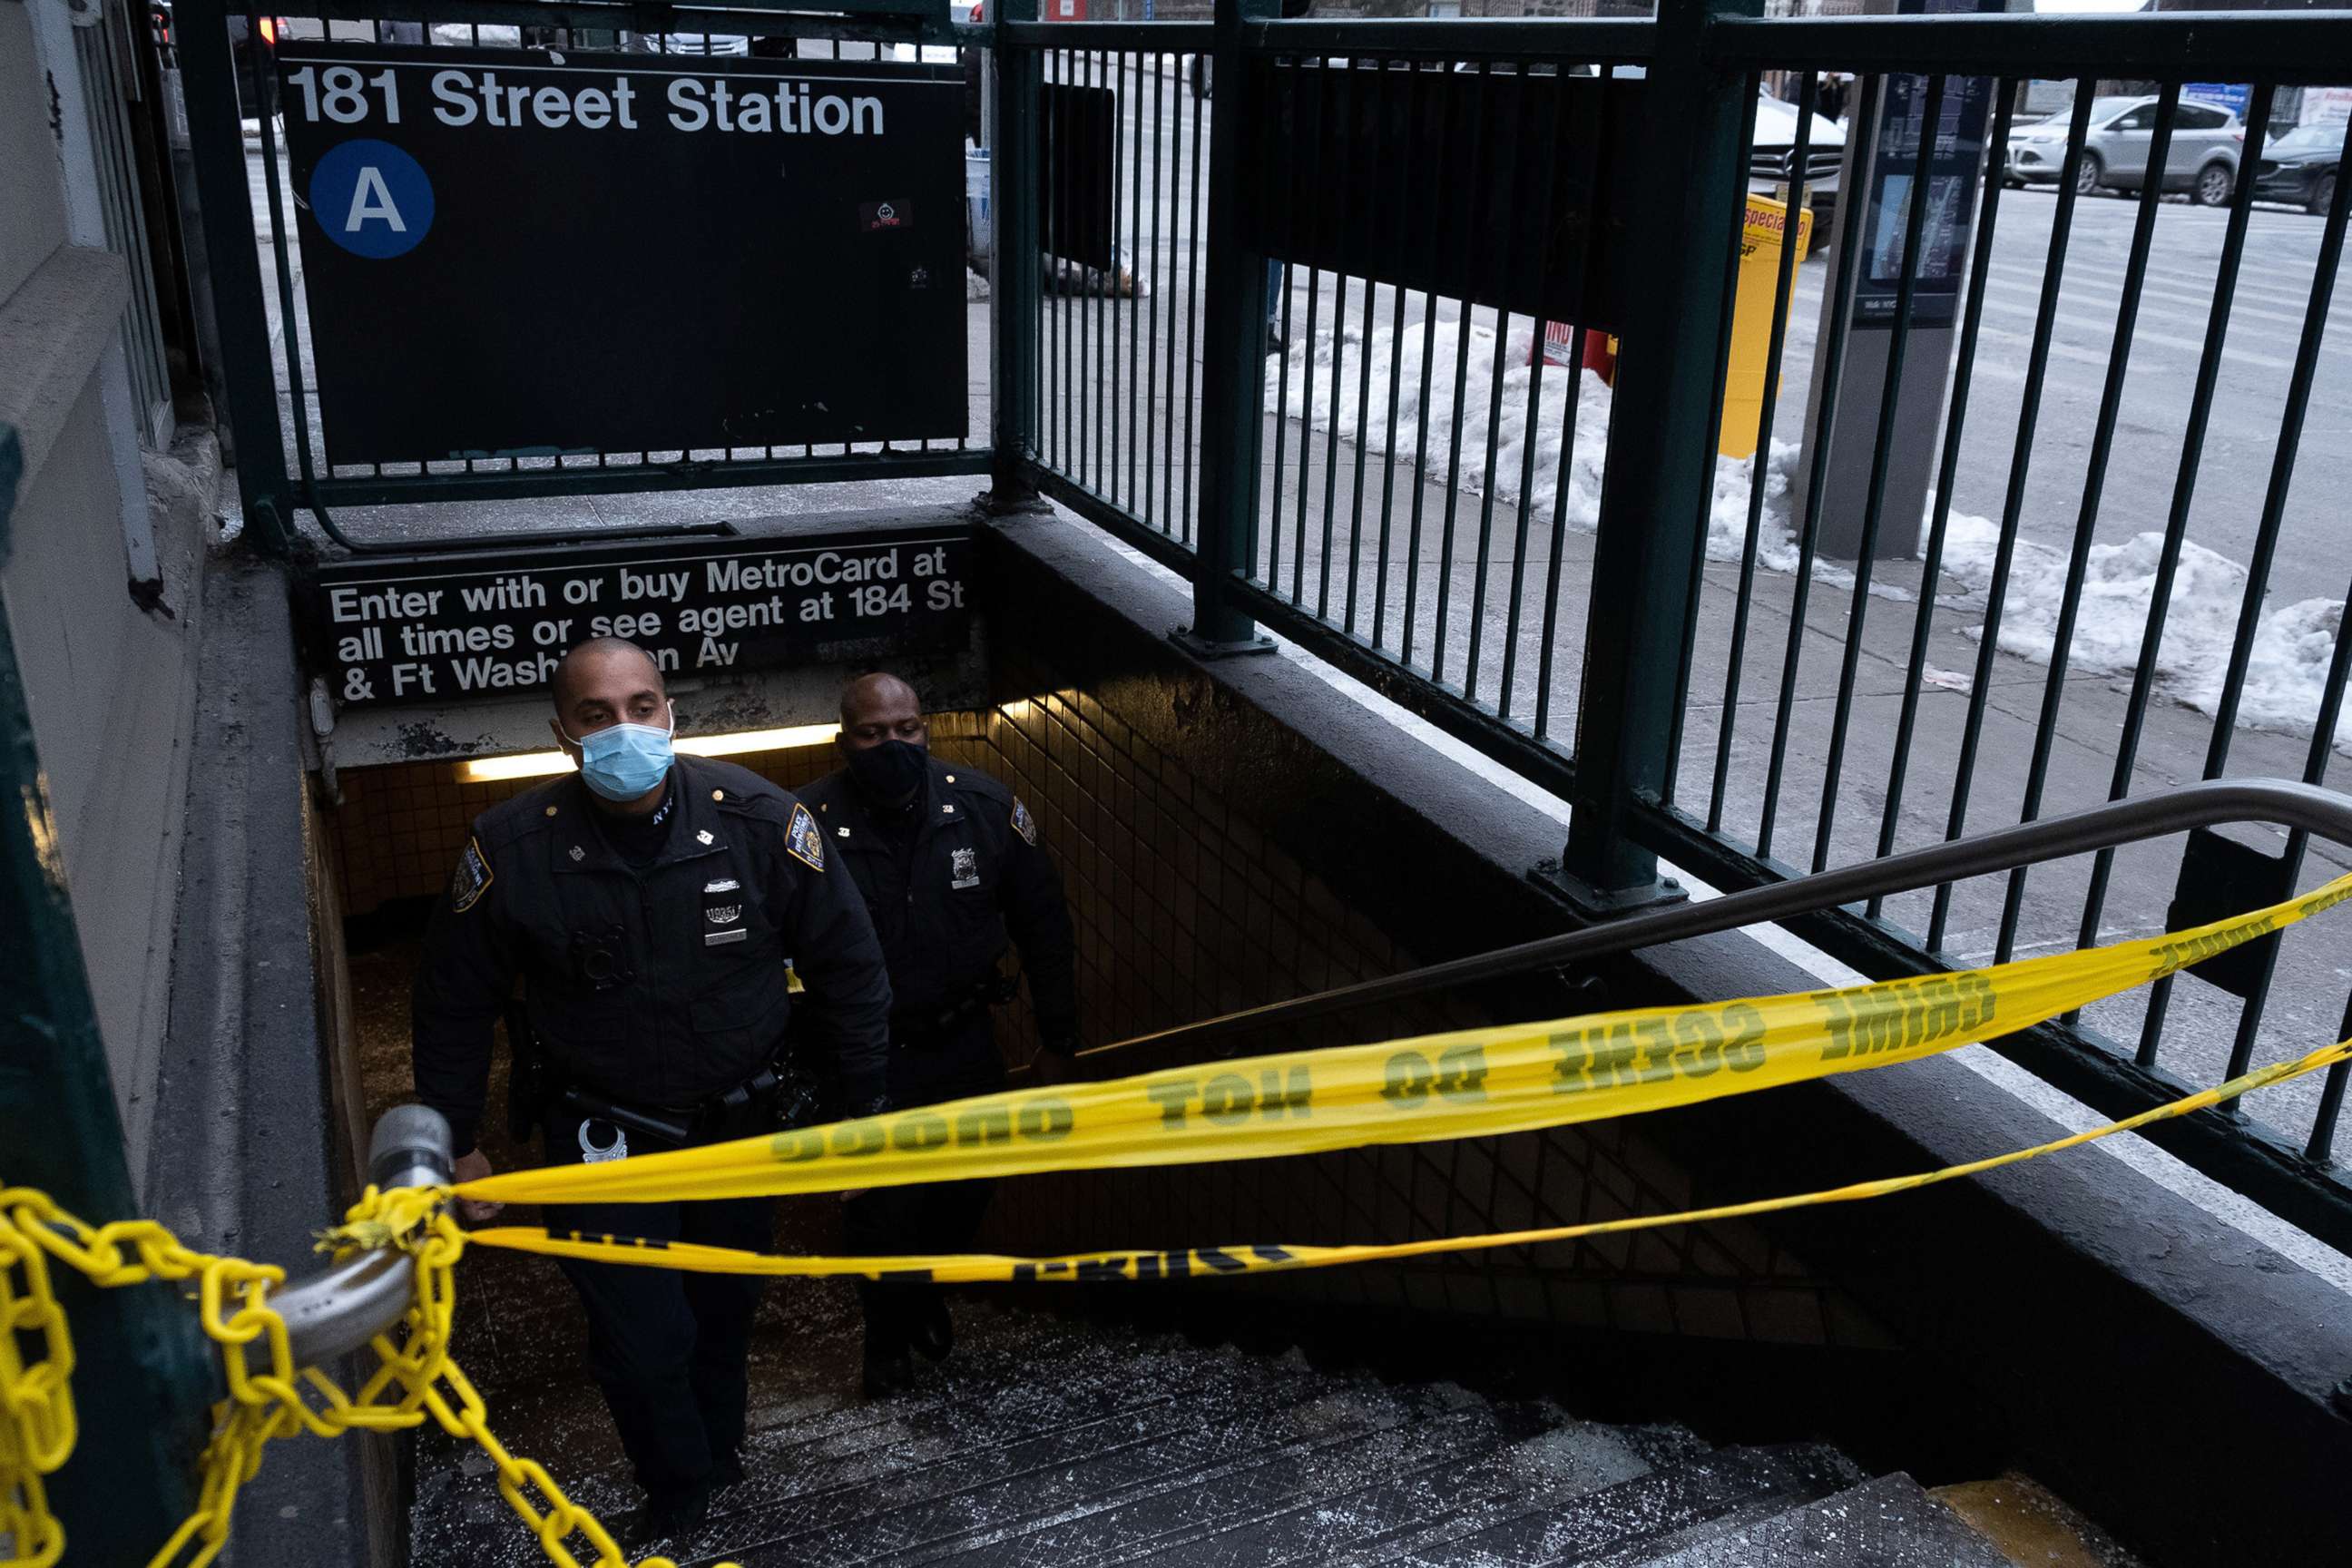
[1401, 496]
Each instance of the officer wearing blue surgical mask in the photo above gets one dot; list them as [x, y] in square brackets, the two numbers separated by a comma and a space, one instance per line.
[654, 908]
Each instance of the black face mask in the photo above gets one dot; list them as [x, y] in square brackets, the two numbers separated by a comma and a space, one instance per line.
[888, 774]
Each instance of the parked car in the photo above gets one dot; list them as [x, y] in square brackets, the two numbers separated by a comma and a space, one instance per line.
[1771, 162]
[2301, 166]
[2207, 142]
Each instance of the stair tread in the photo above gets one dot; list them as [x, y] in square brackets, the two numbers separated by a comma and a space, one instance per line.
[1604, 1525]
[1463, 1490]
[1886, 1522]
[911, 1510]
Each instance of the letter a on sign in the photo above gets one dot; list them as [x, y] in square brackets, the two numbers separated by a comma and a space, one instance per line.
[371, 199]
[372, 202]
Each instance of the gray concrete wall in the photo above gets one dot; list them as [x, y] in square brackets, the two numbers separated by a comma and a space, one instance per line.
[109, 681]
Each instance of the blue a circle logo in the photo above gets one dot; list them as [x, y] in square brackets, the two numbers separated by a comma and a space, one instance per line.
[373, 199]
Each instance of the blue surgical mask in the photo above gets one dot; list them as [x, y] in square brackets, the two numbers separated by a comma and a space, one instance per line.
[621, 761]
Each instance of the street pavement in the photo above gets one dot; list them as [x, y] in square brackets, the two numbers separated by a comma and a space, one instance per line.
[1121, 419]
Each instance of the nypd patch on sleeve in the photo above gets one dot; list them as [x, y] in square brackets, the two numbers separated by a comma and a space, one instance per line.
[804, 839]
[472, 878]
[1023, 823]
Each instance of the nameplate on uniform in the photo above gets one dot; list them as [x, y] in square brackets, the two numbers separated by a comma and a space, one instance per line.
[720, 938]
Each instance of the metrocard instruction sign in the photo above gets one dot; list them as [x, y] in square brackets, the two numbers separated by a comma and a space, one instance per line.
[437, 631]
[512, 252]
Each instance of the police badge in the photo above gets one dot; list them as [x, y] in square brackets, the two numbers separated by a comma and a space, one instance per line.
[804, 839]
[963, 865]
[472, 878]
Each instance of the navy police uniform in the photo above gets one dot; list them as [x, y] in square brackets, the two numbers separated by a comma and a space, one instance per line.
[948, 883]
[653, 956]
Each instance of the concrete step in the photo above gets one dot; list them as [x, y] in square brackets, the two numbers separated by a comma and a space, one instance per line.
[989, 1452]
[1443, 1499]
[1889, 1523]
[1360, 1437]
[1628, 1521]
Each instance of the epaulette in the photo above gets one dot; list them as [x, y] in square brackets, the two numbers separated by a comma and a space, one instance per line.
[510, 821]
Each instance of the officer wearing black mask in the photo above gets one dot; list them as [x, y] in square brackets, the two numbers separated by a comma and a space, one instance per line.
[650, 905]
[948, 862]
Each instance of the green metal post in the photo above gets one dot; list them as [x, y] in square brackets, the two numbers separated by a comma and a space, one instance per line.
[1015, 268]
[1233, 392]
[217, 146]
[1660, 475]
[139, 1386]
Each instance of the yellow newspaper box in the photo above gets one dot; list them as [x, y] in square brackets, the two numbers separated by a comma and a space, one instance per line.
[1761, 239]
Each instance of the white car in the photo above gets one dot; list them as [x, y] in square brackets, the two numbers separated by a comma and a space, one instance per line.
[1771, 166]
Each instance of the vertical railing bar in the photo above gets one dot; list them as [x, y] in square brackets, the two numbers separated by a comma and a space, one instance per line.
[2094, 479]
[1571, 409]
[2323, 737]
[1049, 329]
[1536, 324]
[1074, 282]
[1963, 374]
[1783, 288]
[1290, 212]
[1307, 373]
[1873, 508]
[1461, 385]
[1057, 264]
[1192, 313]
[1100, 316]
[2321, 1149]
[1421, 442]
[1340, 88]
[2037, 365]
[1110, 285]
[2273, 513]
[2316, 757]
[1363, 387]
[293, 315]
[1154, 411]
[1809, 536]
[2184, 488]
[1512, 165]
[1135, 441]
[1396, 366]
[1686, 645]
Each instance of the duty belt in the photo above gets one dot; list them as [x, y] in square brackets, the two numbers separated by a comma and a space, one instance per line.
[929, 1027]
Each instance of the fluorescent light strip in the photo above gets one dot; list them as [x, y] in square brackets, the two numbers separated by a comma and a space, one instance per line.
[544, 764]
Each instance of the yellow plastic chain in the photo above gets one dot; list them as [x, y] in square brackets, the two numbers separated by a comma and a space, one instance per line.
[269, 1400]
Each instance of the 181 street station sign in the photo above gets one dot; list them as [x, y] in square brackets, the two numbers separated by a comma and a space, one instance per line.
[526, 253]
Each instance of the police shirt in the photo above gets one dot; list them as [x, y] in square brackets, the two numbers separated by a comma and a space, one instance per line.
[660, 983]
[946, 890]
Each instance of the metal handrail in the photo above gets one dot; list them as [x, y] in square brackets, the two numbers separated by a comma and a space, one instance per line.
[2308, 808]
[337, 1310]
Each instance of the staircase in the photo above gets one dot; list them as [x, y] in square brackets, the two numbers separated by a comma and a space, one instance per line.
[1045, 1440]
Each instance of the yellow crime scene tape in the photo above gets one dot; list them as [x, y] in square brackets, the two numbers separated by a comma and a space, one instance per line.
[1212, 1262]
[1508, 1078]
[1470, 1082]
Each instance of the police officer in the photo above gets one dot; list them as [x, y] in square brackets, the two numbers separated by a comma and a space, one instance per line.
[650, 904]
[948, 860]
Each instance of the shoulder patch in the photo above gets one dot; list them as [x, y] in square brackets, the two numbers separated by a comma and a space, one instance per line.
[1023, 823]
[804, 839]
[471, 879]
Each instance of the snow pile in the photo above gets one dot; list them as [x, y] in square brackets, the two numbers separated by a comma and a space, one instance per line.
[2118, 587]
[2292, 644]
[2286, 673]
[1343, 397]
